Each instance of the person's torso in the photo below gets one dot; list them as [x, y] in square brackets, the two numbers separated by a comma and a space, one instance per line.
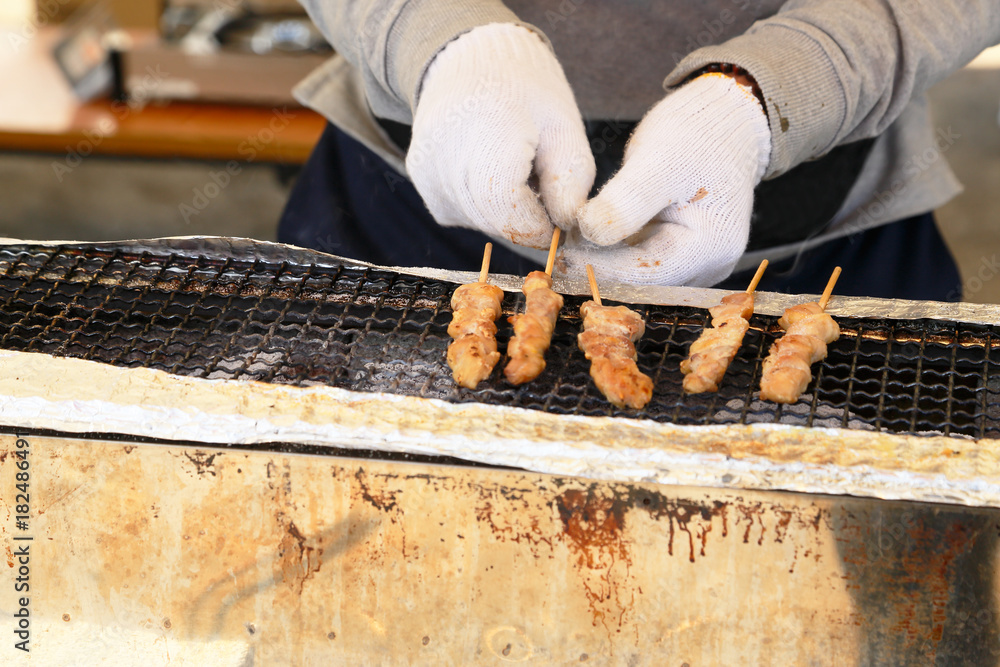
[616, 56]
[616, 53]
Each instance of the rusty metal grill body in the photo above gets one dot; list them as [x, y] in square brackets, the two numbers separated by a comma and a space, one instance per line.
[374, 330]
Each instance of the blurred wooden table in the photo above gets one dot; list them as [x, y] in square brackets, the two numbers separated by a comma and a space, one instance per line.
[38, 112]
[177, 130]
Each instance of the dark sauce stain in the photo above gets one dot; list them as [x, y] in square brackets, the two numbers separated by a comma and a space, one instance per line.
[203, 463]
[279, 481]
[493, 518]
[384, 501]
[298, 560]
[782, 121]
[780, 530]
[594, 519]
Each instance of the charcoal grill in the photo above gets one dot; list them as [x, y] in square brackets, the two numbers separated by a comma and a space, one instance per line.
[375, 330]
[204, 415]
[225, 311]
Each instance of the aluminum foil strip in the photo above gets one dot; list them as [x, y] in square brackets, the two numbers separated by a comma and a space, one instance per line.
[767, 303]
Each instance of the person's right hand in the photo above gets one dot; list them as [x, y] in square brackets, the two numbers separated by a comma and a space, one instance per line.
[494, 110]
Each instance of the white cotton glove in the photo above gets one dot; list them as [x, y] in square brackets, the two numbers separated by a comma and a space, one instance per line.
[678, 211]
[495, 105]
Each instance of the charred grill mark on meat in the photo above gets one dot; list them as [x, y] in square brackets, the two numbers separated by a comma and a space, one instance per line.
[608, 341]
[787, 369]
[710, 355]
[473, 353]
[532, 330]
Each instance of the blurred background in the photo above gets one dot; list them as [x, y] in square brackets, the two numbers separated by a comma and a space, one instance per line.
[146, 118]
[187, 127]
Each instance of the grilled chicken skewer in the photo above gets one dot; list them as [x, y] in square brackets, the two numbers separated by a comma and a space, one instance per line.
[710, 355]
[787, 370]
[533, 330]
[473, 353]
[608, 341]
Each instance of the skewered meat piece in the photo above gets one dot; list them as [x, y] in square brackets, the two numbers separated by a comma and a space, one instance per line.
[608, 341]
[473, 353]
[532, 330]
[710, 355]
[787, 370]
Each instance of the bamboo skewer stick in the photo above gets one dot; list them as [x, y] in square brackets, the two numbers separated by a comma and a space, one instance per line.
[593, 285]
[756, 277]
[552, 252]
[533, 330]
[825, 299]
[485, 271]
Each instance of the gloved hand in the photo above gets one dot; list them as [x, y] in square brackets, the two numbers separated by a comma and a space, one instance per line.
[678, 211]
[495, 105]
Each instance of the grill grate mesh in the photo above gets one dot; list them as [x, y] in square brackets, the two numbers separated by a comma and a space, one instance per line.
[375, 330]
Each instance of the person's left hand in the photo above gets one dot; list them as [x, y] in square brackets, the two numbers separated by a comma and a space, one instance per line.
[678, 211]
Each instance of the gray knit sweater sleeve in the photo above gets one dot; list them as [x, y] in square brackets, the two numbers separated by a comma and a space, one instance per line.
[834, 71]
[393, 41]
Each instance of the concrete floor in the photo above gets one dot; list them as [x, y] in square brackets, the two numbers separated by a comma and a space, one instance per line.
[108, 199]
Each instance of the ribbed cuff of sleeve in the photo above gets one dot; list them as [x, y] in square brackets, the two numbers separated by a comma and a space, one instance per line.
[806, 104]
[424, 27]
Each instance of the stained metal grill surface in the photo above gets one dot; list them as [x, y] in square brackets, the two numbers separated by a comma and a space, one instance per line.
[374, 330]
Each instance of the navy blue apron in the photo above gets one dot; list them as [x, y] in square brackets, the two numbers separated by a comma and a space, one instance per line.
[348, 201]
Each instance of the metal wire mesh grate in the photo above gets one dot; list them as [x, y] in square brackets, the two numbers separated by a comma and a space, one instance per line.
[374, 330]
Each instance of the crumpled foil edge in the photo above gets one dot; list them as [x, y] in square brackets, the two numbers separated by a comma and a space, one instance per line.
[767, 303]
[85, 397]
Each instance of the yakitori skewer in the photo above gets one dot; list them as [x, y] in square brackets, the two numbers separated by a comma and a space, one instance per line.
[608, 341]
[710, 355]
[808, 329]
[828, 291]
[533, 330]
[476, 306]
